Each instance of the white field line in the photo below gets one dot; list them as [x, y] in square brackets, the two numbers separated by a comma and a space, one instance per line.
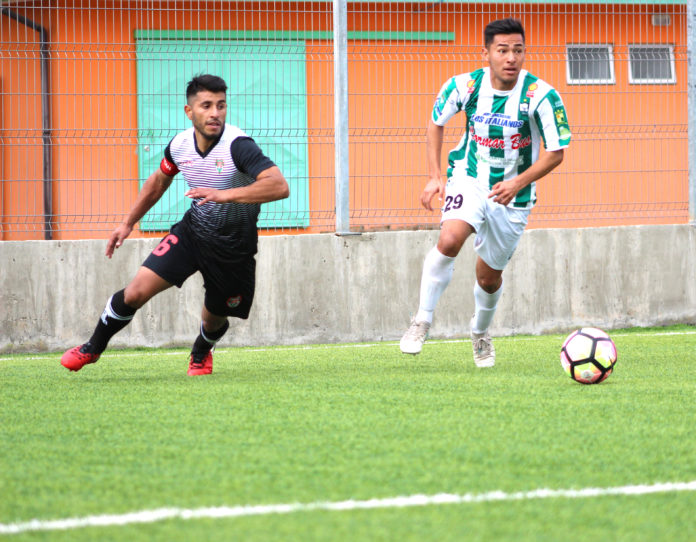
[161, 514]
[242, 349]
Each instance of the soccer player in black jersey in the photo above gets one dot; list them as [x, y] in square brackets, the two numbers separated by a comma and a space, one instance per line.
[229, 177]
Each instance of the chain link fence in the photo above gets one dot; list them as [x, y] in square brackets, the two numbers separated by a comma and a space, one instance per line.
[91, 91]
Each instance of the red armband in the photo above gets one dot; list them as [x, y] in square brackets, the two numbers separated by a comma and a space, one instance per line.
[168, 168]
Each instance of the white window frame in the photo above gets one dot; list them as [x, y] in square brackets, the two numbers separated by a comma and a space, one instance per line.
[608, 47]
[640, 81]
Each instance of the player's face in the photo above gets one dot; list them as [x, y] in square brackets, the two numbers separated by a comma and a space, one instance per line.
[207, 110]
[505, 57]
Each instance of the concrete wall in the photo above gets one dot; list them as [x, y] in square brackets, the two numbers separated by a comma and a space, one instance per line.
[324, 288]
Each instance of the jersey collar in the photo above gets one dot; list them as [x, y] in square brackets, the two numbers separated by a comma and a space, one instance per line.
[212, 146]
[487, 81]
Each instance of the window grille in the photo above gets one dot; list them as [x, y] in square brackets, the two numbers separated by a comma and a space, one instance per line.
[651, 64]
[590, 64]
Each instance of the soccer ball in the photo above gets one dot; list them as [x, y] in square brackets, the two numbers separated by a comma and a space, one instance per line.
[588, 355]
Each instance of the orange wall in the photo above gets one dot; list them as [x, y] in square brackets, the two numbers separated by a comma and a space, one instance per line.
[21, 166]
[627, 160]
[626, 163]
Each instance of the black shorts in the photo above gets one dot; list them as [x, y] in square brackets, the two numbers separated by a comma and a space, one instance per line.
[229, 284]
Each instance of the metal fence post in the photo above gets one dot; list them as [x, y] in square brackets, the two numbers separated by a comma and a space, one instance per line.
[691, 100]
[340, 19]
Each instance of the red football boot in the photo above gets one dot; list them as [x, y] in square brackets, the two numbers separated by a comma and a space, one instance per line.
[201, 367]
[76, 358]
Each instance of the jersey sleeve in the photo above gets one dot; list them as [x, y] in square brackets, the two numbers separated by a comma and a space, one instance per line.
[552, 121]
[167, 165]
[248, 157]
[448, 103]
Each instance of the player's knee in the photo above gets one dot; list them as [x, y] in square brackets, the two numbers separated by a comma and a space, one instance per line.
[135, 297]
[449, 244]
[213, 323]
[489, 284]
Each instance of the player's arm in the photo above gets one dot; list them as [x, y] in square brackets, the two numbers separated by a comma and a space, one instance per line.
[153, 189]
[435, 186]
[551, 121]
[505, 191]
[448, 103]
[269, 183]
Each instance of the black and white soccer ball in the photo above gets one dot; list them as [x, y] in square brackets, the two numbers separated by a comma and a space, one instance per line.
[588, 355]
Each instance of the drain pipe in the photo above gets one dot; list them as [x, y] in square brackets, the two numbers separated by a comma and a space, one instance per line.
[46, 119]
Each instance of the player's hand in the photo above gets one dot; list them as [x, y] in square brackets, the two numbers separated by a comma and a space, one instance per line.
[504, 192]
[206, 195]
[435, 187]
[116, 240]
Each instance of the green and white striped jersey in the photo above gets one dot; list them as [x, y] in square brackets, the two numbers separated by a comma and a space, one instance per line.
[504, 128]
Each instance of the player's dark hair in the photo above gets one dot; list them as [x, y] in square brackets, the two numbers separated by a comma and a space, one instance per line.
[502, 26]
[211, 83]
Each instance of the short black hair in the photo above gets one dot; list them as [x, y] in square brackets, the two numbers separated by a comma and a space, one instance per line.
[211, 83]
[502, 26]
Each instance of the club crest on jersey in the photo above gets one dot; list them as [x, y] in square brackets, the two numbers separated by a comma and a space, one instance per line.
[560, 116]
[219, 164]
[530, 90]
[234, 302]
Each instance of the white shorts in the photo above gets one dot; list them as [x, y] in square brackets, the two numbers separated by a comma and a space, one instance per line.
[498, 228]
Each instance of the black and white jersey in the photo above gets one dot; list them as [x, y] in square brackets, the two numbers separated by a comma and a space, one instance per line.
[233, 161]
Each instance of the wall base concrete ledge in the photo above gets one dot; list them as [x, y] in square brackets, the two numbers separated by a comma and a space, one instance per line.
[325, 288]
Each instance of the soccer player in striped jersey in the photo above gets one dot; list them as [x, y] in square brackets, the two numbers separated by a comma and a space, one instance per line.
[491, 176]
[229, 177]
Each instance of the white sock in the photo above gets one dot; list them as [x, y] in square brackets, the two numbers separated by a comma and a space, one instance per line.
[485, 305]
[437, 273]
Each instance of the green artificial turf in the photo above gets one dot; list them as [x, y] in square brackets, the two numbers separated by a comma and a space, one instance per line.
[354, 422]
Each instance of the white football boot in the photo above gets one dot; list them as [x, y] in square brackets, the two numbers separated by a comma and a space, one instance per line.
[413, 339]
[484, 352]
